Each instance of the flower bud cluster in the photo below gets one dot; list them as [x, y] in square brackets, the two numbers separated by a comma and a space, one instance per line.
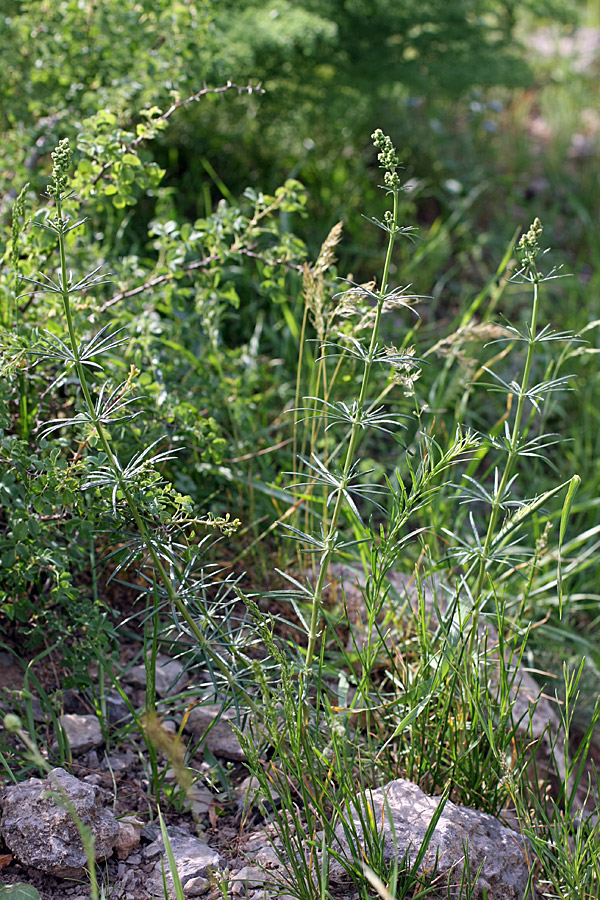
[388, 158]
[61, 159]
[529, 244]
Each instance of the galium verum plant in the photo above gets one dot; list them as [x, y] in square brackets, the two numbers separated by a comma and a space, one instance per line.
[345, 485]
[495, 551]
[156, 524]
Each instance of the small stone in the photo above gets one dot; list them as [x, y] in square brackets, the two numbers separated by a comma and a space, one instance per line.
[250, 877]
[216, 731]
[156, 848]
[117, 710]
[92, 779]
[120, 762]
[201, 800]
[194, 860]
[248, 794]
[41, 832]
[195, 887]
[91, 761]
[130, 830]
[150, 832]
[83, 732]
[169, 677]
[267, 858]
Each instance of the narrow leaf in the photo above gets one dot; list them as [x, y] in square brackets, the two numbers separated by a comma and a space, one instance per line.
[564, 517]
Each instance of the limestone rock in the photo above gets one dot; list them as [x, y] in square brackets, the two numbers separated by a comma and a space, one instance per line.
[404, 813]
[41, 832]
[220, 737]
[247, 879]
[83, 732]
[169, 676]
[201, 800]
[194, 860]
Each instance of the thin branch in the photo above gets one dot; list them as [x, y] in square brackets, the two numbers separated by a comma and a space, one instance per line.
[181, 104]
[272, 262]
[196, 264]
[159, 279]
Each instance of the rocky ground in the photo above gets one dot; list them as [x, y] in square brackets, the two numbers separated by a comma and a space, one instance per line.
[222, 840]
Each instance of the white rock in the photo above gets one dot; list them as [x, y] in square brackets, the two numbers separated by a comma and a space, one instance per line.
[403, 813]
[83, 732]
[41, 832]
[248, 878]
[201, 800]
[194, 860]
[219, 736]
[128, 838]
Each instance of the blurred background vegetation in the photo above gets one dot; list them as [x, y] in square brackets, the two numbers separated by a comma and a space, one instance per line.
[493, 105]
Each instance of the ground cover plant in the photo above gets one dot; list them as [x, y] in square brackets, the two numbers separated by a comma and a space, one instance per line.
[351, 509]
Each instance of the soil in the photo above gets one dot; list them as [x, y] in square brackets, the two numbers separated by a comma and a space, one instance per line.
[122, 770]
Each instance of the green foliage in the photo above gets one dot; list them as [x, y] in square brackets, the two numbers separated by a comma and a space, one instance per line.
[425, 47]
[83, 52]
[68, 73]
[371, 694]
[564, 832]
[168, 356]
[19, 892]
[195, 390]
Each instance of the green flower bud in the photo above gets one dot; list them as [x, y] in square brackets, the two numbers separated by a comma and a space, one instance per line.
[61, 159]
[12, 723]
[388, 158]
[529, 243]
[391, 180]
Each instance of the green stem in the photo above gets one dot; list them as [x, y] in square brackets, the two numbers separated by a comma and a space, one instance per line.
[104, 440]
[513, 449]
[315, 617]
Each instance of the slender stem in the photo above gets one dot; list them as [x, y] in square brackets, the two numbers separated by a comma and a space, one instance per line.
[355, 432]
[104, 440]
[513, 449]
[298, 382]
